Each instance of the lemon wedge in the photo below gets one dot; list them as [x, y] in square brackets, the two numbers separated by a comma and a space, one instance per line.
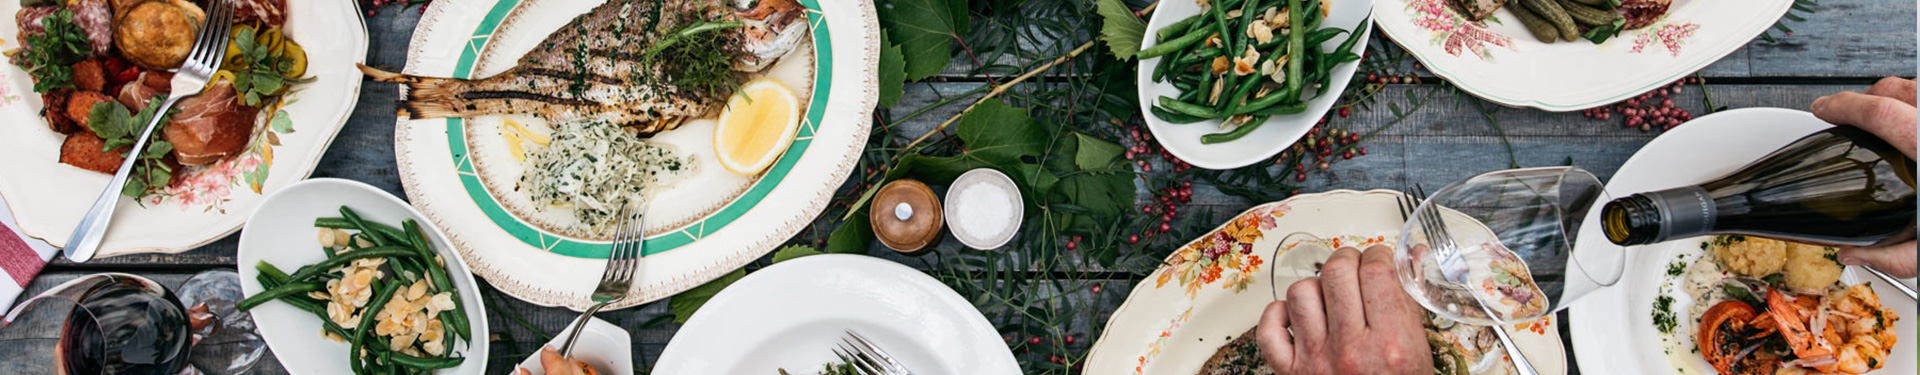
[756, 127]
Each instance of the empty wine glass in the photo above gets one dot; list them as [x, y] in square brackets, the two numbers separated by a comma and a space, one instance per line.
[1505, 239]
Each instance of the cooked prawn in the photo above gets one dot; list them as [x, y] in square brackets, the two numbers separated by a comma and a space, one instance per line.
[1844, 332]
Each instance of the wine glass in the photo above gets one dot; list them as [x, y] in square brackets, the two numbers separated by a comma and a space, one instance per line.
[1511, 234]
[116, 323]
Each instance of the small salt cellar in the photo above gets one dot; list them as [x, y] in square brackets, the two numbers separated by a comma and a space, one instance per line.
[984, 208]
[906, 215]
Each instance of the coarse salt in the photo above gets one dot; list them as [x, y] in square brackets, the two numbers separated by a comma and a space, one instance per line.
[984, 209]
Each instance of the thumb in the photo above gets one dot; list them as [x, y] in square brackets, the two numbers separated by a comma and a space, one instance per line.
[1897, 260]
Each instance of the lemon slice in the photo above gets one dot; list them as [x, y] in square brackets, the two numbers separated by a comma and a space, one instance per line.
[757, 126]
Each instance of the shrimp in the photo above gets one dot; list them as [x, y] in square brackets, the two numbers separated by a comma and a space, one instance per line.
[1844, 332]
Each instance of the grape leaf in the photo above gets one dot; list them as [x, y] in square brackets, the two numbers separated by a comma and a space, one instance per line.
[688, 302]
[925, 30]
[792, 252]
[1120, 29]
[1094, 153]
[893, 73]
[853, 236]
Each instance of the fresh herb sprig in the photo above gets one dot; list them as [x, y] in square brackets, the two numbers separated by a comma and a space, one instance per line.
[117, 126]
[262, 75]
[50, 56]
[697, 59]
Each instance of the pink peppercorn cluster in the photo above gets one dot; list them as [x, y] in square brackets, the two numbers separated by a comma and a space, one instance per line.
[1321, 142]
[1166, 202]
[1144, 146]
[1648, 111]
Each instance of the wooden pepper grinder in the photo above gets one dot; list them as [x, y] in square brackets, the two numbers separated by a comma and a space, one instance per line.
[906, 216]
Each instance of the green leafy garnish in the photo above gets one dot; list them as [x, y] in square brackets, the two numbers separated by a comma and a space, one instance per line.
[50, 56]
[1600, 34]
[1121, 29]
[263, 72]
[696, 60]
[117, 127]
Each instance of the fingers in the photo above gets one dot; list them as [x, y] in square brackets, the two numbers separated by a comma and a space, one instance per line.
[1387, 304]
[1340, 286]
[1901, 89]
[551, 360]
[1888, 118]
[1276, 344]
[1305, 316]
[1896, 260]
[521, 371]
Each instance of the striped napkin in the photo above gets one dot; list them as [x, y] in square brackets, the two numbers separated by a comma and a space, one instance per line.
[21, 257]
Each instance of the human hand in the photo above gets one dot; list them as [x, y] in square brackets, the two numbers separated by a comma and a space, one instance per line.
[1886, 110]
[1352, 319]
[554, 364]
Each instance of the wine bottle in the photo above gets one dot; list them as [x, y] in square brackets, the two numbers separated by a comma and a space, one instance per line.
[1838, 187]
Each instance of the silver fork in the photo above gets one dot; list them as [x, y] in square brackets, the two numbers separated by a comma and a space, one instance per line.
[208, 51]
[1454, 267]
[623, 264]
[862, 354]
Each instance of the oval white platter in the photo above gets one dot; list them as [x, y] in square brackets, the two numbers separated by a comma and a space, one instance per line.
[455, 172]
[1498, 60]
[282, 233]
[1185, 311]
[1612, 328]
[1183, 140]
[49, 198]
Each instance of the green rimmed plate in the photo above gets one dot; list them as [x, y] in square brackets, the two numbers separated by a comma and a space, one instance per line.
[458, 173]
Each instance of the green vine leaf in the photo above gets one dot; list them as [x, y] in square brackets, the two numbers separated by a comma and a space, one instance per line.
[688, 302]
[1120, 29]
[893, 72]
[1095, 153]
[925, 30]
[853, 236]
[793, 252]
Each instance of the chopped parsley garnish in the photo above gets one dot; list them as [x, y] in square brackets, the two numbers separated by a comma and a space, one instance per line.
[1676, 268]
[1663, 316]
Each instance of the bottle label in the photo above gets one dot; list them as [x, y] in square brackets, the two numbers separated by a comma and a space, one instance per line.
[1688, 211]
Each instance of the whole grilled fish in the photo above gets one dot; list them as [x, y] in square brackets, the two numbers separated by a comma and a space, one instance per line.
[592, 67]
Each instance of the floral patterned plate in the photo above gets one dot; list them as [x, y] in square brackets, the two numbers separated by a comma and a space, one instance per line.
[203, 204]
[1214, 288]
[1497, 60]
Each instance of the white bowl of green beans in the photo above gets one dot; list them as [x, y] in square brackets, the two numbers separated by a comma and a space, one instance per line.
[281, 261]
[1296, 65]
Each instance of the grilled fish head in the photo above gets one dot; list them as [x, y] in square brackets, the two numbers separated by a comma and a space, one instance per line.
[772, 28]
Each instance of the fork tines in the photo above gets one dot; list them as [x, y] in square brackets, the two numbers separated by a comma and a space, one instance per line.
[861, 353]
[210, 49]
[625, 255]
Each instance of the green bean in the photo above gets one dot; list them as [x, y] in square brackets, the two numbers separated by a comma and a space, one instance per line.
[1229, 84]
[365, 327]
[1173, 117]
[1282, 109]
[438, 274]
[1322, 36]
[1312, 15]
[342, 223]
[425, 363]
[1168, 47]
[1236, 133]
[1262, 103]
[1166, 63]
[1189, 109]
[267, 269]
[375, 252]
[1296, 46]
[1240, 93]
[1203, 55]
[1169, 30]
[277, 293]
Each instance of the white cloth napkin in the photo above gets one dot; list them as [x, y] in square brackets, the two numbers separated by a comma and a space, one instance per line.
[21, 257]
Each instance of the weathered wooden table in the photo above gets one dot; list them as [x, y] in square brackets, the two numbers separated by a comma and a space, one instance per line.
[1846, 45]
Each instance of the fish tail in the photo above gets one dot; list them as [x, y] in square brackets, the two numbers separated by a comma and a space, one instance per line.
[427, 97]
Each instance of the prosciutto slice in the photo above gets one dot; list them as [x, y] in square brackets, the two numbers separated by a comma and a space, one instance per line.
[136, 94]
[211, 125]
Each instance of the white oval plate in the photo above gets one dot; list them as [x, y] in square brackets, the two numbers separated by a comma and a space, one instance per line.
[281, 232]
[790, 314]
[709, 225]
[49, 198]
[1612, 328]
[1183, 140]
[1501, 62]
[1176, 319]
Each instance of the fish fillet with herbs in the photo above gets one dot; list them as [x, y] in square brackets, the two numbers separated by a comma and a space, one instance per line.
[648, 65]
